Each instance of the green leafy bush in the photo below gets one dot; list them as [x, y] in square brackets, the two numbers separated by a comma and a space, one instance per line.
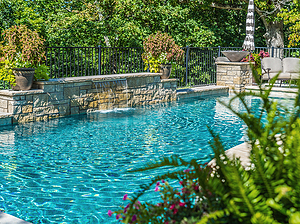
[41, 73]
[23, 47]
[6, 72]
[160, 49]
[5, 69]
[267, 191]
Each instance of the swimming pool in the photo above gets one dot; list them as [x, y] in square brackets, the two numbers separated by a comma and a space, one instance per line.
[73, 170]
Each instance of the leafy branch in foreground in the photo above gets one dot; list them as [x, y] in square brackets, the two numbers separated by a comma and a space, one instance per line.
[267, 191]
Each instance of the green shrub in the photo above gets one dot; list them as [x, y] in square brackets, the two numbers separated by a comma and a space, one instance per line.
[23, 47]
[268, 191]
[41, 73]
[5, 69]
[160, 48]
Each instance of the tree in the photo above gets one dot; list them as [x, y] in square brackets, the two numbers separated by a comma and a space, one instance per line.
[292, 19]
[268, 10]
[128, 22]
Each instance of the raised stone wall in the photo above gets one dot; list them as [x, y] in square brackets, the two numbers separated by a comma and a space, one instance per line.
[235, 75]
[63, 97]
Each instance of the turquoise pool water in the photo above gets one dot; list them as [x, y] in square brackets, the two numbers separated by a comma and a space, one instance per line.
[73, 170]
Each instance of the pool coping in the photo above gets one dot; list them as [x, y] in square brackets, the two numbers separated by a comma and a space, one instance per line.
[9, 219]
[282, 92]
[201, 91]
[241, 151]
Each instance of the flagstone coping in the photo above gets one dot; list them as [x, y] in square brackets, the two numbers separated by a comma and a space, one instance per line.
[241, 151]
[201, 91]
[9, 219]
[282, 92]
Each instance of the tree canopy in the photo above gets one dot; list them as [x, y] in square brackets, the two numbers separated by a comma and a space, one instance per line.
[128, 22]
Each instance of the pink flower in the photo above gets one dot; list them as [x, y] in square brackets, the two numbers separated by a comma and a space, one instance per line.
[163, 181]
[157, 184]
[156, 188]
[133, 218]
[181, 204]
[137, 204]
[175, 211]
[125, 197]
[187, 170]
[172, 206]
[118, 216]
[109, 213]
[180, 182]
[125, 209]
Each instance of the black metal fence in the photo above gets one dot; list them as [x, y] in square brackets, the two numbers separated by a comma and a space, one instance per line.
[198, 67]
[89, 61]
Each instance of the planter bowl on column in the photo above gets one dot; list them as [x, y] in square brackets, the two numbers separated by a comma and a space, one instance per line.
[235, 56]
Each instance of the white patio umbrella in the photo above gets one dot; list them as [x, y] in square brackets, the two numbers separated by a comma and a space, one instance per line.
[248, 44]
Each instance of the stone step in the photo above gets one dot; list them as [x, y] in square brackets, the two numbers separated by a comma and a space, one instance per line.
[5, 119]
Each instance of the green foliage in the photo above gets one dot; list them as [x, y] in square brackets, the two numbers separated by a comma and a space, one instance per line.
[6, 72]
[268, 191]
[291, 17]
[23, 46]
[5, 69]
[41, 72]
[128, 22]
[160, 48]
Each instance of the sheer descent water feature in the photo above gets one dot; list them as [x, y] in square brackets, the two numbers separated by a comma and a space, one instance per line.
[67, 96]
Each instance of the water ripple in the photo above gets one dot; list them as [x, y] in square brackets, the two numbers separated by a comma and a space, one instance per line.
[73, 170]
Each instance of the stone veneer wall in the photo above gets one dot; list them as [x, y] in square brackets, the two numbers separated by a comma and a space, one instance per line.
[68, 96]
[236, 75]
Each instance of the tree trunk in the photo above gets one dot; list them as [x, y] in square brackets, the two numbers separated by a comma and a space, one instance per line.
[274, 34]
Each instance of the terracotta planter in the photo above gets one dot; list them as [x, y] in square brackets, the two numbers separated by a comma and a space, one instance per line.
[24, 78]
[165, 70]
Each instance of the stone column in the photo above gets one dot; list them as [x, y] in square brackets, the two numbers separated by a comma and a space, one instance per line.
[235, 75]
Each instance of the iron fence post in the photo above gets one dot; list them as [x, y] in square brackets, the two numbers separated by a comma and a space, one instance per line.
[186, 64]
[99, 60]
[219, 51]
[272, 52]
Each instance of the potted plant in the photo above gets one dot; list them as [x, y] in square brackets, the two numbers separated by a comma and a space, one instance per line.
[160, 51]
[23, 52]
